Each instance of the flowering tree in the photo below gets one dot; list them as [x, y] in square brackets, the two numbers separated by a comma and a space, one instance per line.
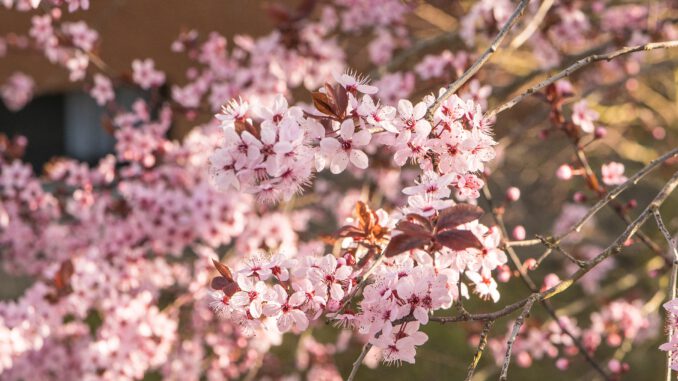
[319, 195]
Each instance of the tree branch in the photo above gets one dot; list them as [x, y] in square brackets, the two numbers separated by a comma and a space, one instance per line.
[672, 284]
[479, 352]
[514, 333]
[468, 74]
[578, 65]
[359, 361]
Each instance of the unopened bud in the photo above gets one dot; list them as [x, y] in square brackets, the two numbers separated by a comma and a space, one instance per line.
[564, 172]
[513, 194]
[600, 132]
[519, 233]
[579, 197]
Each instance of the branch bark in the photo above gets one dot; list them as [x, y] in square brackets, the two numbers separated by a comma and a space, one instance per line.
[468, 74]
[578, 65]
[672, 283]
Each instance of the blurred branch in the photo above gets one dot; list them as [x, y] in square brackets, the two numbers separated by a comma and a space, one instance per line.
[578, 65]
[611, 195]
[468, 74]
[533, 25]
[409, 52]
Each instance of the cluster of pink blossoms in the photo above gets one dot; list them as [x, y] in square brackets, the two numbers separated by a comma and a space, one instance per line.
[120, 251]
[270, 152]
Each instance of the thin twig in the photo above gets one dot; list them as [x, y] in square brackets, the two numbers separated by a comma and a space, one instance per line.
[479, 352]
[531, 285]
[468, 74]
[359, 361]
[578, 65]
[411, 51]
[523, 243]
[514, 333]
[533, 25]
[672, 284]
[611, 195]
[363, 280]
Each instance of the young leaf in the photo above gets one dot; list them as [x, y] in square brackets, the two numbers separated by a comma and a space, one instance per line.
[218, 283]
[340, 98]
[421, 220]
[404, 242]
[223, 270]
[413, 229]
[458, 239]
[322, 103]
[457, 215]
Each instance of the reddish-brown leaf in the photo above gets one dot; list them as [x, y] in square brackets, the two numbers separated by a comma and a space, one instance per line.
[218, 283]
[458, 239]
[413, 229]
[230, 289]
[339, 98]
[457, 215]
[322, 103]
[223, 270]
[350, 231]
[364, 215]
[420, 220]
[63, 276]
[404, 242]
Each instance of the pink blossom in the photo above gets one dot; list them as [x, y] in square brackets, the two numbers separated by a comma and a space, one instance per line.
[613, 173]
[339, 151]
[399, 343]
[584, 117]
[102, 91]
[17, 91]
[145, 75]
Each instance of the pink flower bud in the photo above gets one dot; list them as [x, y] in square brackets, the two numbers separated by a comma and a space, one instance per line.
[564, 172]
[600, 132]
[523, 359]
[513, 194]
[658, 133]
[543, 134]
[579, 197]
[504, 273]
[614, 365]
[530, 263]
[518, 233]
[562, 363]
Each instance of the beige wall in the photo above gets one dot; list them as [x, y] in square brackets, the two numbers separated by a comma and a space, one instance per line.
[137, 29]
